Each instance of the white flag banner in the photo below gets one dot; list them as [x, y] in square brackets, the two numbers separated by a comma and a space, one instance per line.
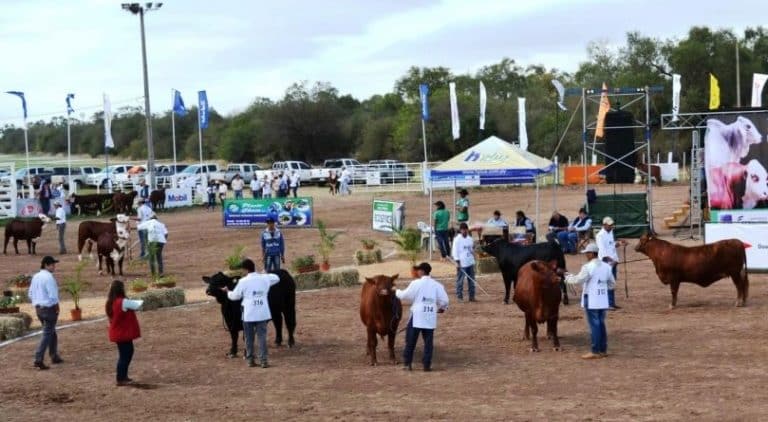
[758, 83]
[675, 96]
[521, 123]
[108, 141]
[483, 101]
[560, 94]
[455, 128]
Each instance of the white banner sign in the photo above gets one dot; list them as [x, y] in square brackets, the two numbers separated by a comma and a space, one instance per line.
[675, 96]
[373, 178]
[387, 214]
[178, 197]
[522, 132]
[754, 236]
[455, 125]
[758, 83]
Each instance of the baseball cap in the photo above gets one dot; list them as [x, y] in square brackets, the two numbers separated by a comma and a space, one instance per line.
[424, 266]
[270, 220]
[608, 221]
[463, 192]
[591, 247]
[48, 260]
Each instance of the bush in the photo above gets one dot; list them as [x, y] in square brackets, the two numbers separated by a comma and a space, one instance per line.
[162, 298]
[332, 278]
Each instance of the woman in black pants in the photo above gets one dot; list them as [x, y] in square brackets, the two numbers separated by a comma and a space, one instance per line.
[123, 328]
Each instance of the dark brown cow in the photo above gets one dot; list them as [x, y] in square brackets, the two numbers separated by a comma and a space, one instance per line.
[538, 295]
[111, 247]
[123, 202]
[28, 229]
[89, 231]
[380, 311]
[701, 265]
[157, 199]
[98, 202]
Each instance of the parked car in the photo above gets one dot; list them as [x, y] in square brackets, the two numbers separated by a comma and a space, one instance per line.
[61, 174]
[111, 172]
[245, 170]
[288, 167]
[36, 173]
[165, 173]
[194, 171]
[358, 170]
[390, 171]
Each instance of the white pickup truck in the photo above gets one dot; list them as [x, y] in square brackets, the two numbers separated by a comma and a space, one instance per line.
[358, 170]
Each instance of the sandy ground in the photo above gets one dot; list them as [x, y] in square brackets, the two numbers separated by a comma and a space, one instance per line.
[702, 360]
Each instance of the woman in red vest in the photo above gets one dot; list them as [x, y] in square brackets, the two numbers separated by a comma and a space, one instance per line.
[123, 328]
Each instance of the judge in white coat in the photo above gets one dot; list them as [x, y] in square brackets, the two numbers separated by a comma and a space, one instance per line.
[463, 254]
[607, 245]
[597, 278]
[427, 298]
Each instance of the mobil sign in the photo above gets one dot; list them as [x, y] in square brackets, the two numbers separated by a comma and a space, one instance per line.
[181, 197]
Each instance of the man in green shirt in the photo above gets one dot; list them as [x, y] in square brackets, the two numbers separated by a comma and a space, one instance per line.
[462, 207]
[442, 218]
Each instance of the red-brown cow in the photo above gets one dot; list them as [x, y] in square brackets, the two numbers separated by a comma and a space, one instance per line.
[157, 199]
[29, 230]
[111, 247]
[89, 231]
[702, 265]
[380, 311]
[123, 202]
[538, 295]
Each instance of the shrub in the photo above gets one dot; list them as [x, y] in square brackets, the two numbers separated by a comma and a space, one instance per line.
[233, 261]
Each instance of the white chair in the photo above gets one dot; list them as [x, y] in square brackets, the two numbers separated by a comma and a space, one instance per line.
[426, 233]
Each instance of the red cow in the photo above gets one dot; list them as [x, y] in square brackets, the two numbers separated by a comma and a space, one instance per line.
[538, 295]
[123, 202]
[157, 199]
[380, 311]
[701, 265]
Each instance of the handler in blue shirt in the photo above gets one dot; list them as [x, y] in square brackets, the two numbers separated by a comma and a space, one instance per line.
[272, 246]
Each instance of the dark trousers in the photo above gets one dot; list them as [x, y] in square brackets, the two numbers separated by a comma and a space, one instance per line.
[612, 292]
[62, 228]
[124, 357]
[49, 340]
[45, 204]
[411, 336]
[295, 191]
[156, 257]
[143, 243]
[442, 242]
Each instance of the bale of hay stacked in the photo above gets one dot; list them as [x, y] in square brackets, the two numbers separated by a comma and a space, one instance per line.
[14, 325]
[487, 265]
[340, 278]
[368, 256]
[161, 298]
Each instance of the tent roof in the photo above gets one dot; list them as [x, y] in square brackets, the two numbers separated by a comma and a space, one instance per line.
[495, 154]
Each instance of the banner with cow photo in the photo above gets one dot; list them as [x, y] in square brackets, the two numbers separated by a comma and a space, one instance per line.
[735, 162]
[292, 212]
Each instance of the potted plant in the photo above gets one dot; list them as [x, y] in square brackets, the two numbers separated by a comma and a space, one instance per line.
[234, 260]
[408, 240]
[305, 264]
[327, 244]
[368, 244]
[166, 282]
[138, 285]
[8, 303]
[75, 285]
[20, 281]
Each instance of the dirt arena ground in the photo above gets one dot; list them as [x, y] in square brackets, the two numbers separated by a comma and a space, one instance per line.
[704, 360]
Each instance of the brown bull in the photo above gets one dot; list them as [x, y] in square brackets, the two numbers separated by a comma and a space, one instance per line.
[538, 295]
[381, 312]
[701, 265]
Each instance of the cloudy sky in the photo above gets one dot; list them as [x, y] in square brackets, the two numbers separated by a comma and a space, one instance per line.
[238, 50]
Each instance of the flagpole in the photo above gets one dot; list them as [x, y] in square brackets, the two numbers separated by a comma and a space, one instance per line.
[69, 155]
[200, 142]
[173, 136]
[424, 181]
[29, 169]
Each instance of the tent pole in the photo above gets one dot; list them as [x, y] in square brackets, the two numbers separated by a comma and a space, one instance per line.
[430, 221]
[584, 143]
[537, 207]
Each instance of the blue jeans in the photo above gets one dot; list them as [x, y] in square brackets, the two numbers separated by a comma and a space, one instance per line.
[260, 329]
[469, 273]
[143, 243]
[612, 292]
[567, 241]
[49, 340]
[238, 194]
[271, 263]
[596, 322]
[411, 337]
[442, 242]
[124, 357]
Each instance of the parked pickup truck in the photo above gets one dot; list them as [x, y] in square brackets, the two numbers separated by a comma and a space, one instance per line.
[390, 171]
[34, 172]
[288, 167]
[79, 173]
[191, 175]
[358, 170]
[245, 170]
[100, 178]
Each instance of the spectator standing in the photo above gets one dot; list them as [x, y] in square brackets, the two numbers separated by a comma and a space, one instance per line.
[58, 191]
[463, 254]
[45, 195]
[344, 179]
[441, 220]
[123, 328]
[61, 226]
[607, 247]
[222, 192]
[44, 295]
[428, 298]
[157, 236]
[295, 182]
[211, 192]
[580, 226]
[238, 184]
[144, 190]
[557, 224]
[255, 187]
[143, 214]
[272, 246]
[253, 289]
[266, 187]
[462, 207]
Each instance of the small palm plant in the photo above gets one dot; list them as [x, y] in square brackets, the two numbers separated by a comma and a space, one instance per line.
[408, 240]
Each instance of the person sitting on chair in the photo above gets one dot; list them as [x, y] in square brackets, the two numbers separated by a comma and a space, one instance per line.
[523, 221]
[557, 224]
[579, 228]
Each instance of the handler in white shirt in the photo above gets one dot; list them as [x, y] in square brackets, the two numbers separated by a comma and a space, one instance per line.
[61, 225]
[463, 253]
[597, 279]
[157, 236]
[427, 298]
[255, 187]
[295, 181]
[44, 295]
[607, 245]
[253, 290]
[143, 214]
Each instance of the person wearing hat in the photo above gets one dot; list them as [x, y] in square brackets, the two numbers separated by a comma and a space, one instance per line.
[157, 236]
[272, 246]
[463, 254]
[607, 245]
[442, 219]
[253, 289]
[44, 296]
[61, 225]
[597, 278]
[428, 298]
[462, 207]
[143, 214]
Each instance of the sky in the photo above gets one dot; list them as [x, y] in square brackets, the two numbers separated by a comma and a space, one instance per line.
[238, 50]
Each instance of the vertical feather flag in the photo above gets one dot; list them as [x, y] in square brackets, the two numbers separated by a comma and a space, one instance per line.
[23, 101]
[758, 83]
[424, 96]
[178, 104]
[560, 94]
[605, 107]
[675, 96]
[483, 102]
[108, 141]
[523, 133]
[70, 110]
[455, 126]
[714, 93]
[202, 109]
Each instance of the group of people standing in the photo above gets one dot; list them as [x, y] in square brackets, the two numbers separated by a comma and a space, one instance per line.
[338, 183]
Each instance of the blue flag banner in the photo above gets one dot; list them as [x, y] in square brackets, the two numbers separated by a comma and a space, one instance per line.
[423, 92]
[202, 109]
[178, 104]
[23, 100]
[70, 110]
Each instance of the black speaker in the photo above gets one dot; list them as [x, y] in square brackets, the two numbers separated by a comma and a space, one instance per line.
[619, 140]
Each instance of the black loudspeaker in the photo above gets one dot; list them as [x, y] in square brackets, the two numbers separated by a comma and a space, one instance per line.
[619, 140]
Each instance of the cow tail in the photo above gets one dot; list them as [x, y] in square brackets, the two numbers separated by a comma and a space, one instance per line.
[744, 275]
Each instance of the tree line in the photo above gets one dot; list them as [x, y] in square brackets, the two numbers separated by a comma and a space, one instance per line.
[313, 121]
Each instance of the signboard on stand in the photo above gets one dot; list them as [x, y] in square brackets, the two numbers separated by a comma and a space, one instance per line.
[387, 214]
[754, 236]
[178, 198]
[287, 212]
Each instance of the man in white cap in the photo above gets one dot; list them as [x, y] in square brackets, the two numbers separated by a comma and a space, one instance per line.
[597, 278]
[607, 246]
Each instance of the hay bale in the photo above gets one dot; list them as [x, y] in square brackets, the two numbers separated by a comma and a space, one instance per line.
[487, 265]
[366, 256]
[161, 298]
[340, 278]
[306, 281]
[14, 325]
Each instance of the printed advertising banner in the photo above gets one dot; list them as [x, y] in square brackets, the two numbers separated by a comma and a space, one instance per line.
[754, 236]
[387, 214]
[178, 198]
[296, 212]
[735, 161]
[27, 207]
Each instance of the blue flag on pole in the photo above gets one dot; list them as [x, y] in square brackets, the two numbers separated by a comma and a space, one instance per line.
[178, 104]
[70, 110]
[423, 92]
[23, 100]
[202, 109]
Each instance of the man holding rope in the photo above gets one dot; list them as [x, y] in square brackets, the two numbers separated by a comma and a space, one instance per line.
[463, 253]
[607, 246]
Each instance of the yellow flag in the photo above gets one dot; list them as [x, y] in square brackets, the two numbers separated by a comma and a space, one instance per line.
[605, 107]
[714, 93]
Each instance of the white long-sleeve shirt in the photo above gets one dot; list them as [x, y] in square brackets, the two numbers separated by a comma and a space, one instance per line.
[606, 245]
[61, 216]
[426, 296]
[43, 290]
[156, 231]
[597, 279]
[463, 250]
[253, 290]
